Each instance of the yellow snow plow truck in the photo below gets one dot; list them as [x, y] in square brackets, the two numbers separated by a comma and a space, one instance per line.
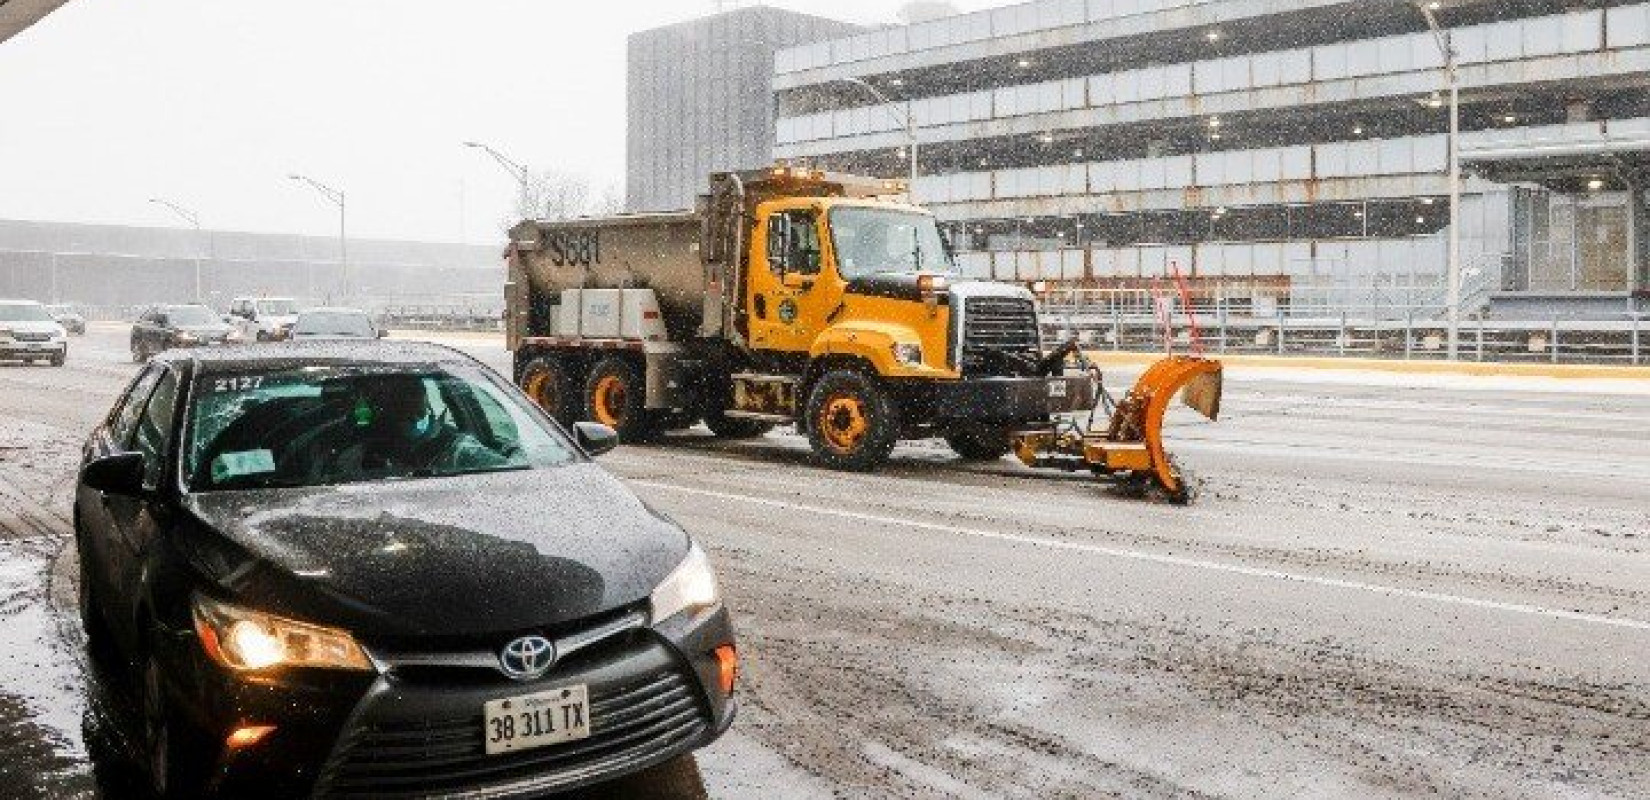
[793, 296]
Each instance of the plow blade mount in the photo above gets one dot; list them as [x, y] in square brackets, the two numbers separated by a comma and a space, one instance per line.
[1138, 419]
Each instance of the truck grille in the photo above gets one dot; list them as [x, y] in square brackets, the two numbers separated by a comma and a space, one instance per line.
[998, 326]
[31, 336]
[446, 757]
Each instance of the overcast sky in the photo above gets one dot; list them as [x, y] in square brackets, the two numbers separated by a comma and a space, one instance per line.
[212, 103]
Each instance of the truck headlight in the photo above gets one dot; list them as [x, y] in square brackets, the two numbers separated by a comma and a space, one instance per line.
[907, 353]
[245, 640]
[689, 587]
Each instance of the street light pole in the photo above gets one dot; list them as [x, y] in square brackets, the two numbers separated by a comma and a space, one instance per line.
[337, 198]
[193, 219]
[1446, 45]
[910, 129]
[515, 169]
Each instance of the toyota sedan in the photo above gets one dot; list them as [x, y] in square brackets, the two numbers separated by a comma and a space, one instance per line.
[377, 570]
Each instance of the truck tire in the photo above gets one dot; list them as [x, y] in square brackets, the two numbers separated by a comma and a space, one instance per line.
[979, 442]
[852, 423]
[615, 394]
[551, 382]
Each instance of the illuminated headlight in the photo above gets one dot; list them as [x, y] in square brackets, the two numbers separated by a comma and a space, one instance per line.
[689, 587]
[233, 336]
[247, 641]
[908, 353]
[184, 337]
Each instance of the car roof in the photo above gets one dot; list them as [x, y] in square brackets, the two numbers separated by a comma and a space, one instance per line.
[285, 355]
[334, 310]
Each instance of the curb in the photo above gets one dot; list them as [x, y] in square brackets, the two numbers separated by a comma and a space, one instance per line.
[1475, 368]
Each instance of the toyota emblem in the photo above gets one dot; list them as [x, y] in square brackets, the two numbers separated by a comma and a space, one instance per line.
[527, 658]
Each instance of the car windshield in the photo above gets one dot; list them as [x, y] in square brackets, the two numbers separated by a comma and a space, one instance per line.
[191, 315]
[872, 240]
[279, 308]
[23, 312]
[323, 425]
[333, 323]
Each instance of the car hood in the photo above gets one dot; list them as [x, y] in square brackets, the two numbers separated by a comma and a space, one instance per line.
[31, 326]
[446, 557]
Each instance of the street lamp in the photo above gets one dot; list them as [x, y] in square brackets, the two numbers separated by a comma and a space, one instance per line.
[193, 219]
[515, 169]
[1446, 46]
[337, 198]
[905, 118]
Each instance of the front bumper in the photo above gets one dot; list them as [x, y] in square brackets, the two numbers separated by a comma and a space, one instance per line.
[1011, 400]
[416, 731]
[12, 348]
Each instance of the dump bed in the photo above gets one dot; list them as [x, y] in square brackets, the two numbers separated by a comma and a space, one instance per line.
[632, 251]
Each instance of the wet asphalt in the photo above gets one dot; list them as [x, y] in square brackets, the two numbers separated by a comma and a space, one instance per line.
[1389, 587]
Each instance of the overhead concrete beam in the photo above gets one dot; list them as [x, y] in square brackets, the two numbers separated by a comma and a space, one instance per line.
[15, 15]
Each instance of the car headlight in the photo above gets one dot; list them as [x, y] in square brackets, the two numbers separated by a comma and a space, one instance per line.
[185, 338]
[689, 587]
[233, 336]
[908, 353]
[246, 641]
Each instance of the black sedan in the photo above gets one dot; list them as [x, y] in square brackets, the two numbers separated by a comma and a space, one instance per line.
[373, 569]
[165, 327]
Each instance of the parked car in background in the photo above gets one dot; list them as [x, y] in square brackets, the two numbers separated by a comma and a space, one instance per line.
[29, 334]
[335, 323]
[165, 327]
[361, 569]
[264, 319]
[71, 320]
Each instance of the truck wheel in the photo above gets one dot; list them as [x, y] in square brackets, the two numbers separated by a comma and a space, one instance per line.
[616, 396]
[551, 383]
[979, 442]
[852, 423]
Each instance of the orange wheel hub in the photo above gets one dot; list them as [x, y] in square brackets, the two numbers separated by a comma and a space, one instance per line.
[843, 422]
[609, 401]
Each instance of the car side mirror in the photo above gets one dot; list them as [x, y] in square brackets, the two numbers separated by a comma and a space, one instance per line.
[118, 474]
[593, 438]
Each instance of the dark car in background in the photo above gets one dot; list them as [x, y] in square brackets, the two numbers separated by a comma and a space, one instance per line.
[165, 327]
[72, 320]
[378, 570]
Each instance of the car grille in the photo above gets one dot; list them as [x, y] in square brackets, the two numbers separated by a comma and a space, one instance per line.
[446, 757]
[998, 325]
[30, 336]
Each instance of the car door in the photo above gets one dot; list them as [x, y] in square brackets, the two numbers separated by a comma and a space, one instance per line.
[137, 521]
[784, 313]
[94, 510]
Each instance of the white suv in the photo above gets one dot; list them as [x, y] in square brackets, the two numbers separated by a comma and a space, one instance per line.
[263, 319]
[28, 333]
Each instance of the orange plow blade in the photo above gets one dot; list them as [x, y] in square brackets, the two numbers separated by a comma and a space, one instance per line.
[1139, 417]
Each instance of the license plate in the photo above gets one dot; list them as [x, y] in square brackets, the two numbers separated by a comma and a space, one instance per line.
[1057, 389]
[536, 720]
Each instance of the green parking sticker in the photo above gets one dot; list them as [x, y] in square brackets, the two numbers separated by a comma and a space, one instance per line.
[245, 462]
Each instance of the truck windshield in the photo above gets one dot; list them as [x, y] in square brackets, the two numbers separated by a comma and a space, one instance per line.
[277, 308]
[23, 312]
[872, 240]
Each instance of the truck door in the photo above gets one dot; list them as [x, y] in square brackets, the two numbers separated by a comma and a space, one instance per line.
[788, 303]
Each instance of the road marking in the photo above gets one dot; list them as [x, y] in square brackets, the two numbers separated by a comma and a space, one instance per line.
[1178, 561]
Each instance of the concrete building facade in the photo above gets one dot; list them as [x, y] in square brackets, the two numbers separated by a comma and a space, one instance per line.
[700, 99]
[1287, 152]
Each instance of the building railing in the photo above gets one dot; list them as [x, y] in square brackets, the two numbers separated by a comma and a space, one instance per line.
[1415, 333]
